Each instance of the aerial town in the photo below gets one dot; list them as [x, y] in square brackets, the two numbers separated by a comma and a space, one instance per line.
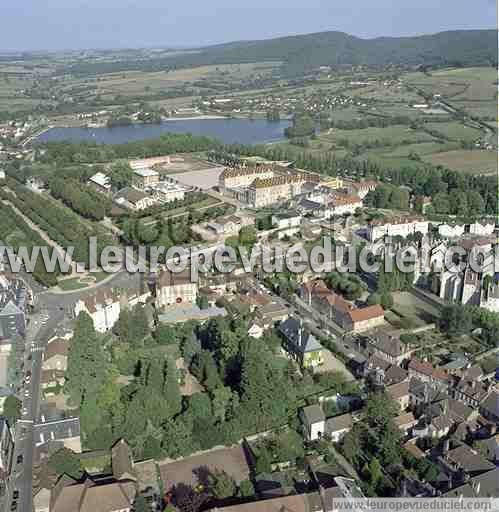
[261, 389]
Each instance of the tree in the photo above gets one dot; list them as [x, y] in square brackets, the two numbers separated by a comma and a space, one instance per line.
[222, 485]
[166, 335]
[246, 489]
[140, 504]
[380, 408]
[386, 300]
[456, 319]
[87, 365]
[373, 299]
[66, 462]
[12, 409]
[202, 302]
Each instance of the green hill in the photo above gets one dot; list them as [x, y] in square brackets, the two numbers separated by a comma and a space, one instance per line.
[305, 52]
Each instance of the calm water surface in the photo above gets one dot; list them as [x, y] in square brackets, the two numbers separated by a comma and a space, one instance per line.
[228, 131]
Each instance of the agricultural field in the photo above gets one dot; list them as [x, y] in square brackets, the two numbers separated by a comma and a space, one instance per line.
[455, 131]
[471, 89]
[135, 83]
[391, 135]
[475, 162]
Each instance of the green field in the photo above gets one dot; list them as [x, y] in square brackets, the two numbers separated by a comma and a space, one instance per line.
[455, 131]
[392, 135]
[475, 162]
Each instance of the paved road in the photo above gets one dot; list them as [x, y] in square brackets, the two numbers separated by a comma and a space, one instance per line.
[39, 330]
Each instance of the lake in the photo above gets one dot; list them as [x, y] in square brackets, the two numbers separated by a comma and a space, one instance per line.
[228, 131]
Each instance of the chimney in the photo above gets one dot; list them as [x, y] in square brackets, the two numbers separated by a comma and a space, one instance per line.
[446, 447]
[300, 329]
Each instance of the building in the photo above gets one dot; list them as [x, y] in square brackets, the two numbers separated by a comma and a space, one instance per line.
[265, 192]
[134, 199]
[229, 225]
[175, 288]
[286, 220]
[400, 394]
[301, 344]
[315, 425]
[55, 356]
[360, 188]
[313, 421]
[6, 450]
[167, 192]
[93, 494]
[482, 228]
[149, 163]
[451, 230]
[342, 204]
[144, 178]
[333, 183]
[489, 408]
[243, 177]
[58, 433]
[101, 182]
[389, 348]
[340, 311]
[12, 321]
[103, 307]
[425, 372]
[397, 226]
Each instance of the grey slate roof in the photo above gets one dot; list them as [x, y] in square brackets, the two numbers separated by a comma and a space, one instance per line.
[290, 328]
[10, 309]
[338, 423]
[313, 414]
[56, 430]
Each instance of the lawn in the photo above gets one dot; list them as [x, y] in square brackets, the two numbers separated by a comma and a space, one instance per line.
[474, 162]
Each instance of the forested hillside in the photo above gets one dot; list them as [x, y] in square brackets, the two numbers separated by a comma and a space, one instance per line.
[304, 52]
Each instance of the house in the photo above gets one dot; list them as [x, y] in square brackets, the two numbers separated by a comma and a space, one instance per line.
[286, 220]
[134, 199]
[315, 425]
[63, 432]
[424, 392]
[397, 226]
[272, 313]
[93, 495]
[301, 344]
[489, 448]
[144, 178]
[361, 188]
[464, 459]
[389, 348]
[122, 461]
[341, 204]
[313, 421]
[451, 230]
[166, 192]
[55, 356]
[50, 379]
[103, 307]
[337, 309]
[489, 408]
[101, 182]
[175, 288]
[6, 450]
[425, 372]
[338, 426]
[229, 225]
[485, 485]
[400, 394]
[405, 422]
[12, 320]
[375, 369]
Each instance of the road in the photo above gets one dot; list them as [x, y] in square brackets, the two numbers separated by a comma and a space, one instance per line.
[40, 329]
